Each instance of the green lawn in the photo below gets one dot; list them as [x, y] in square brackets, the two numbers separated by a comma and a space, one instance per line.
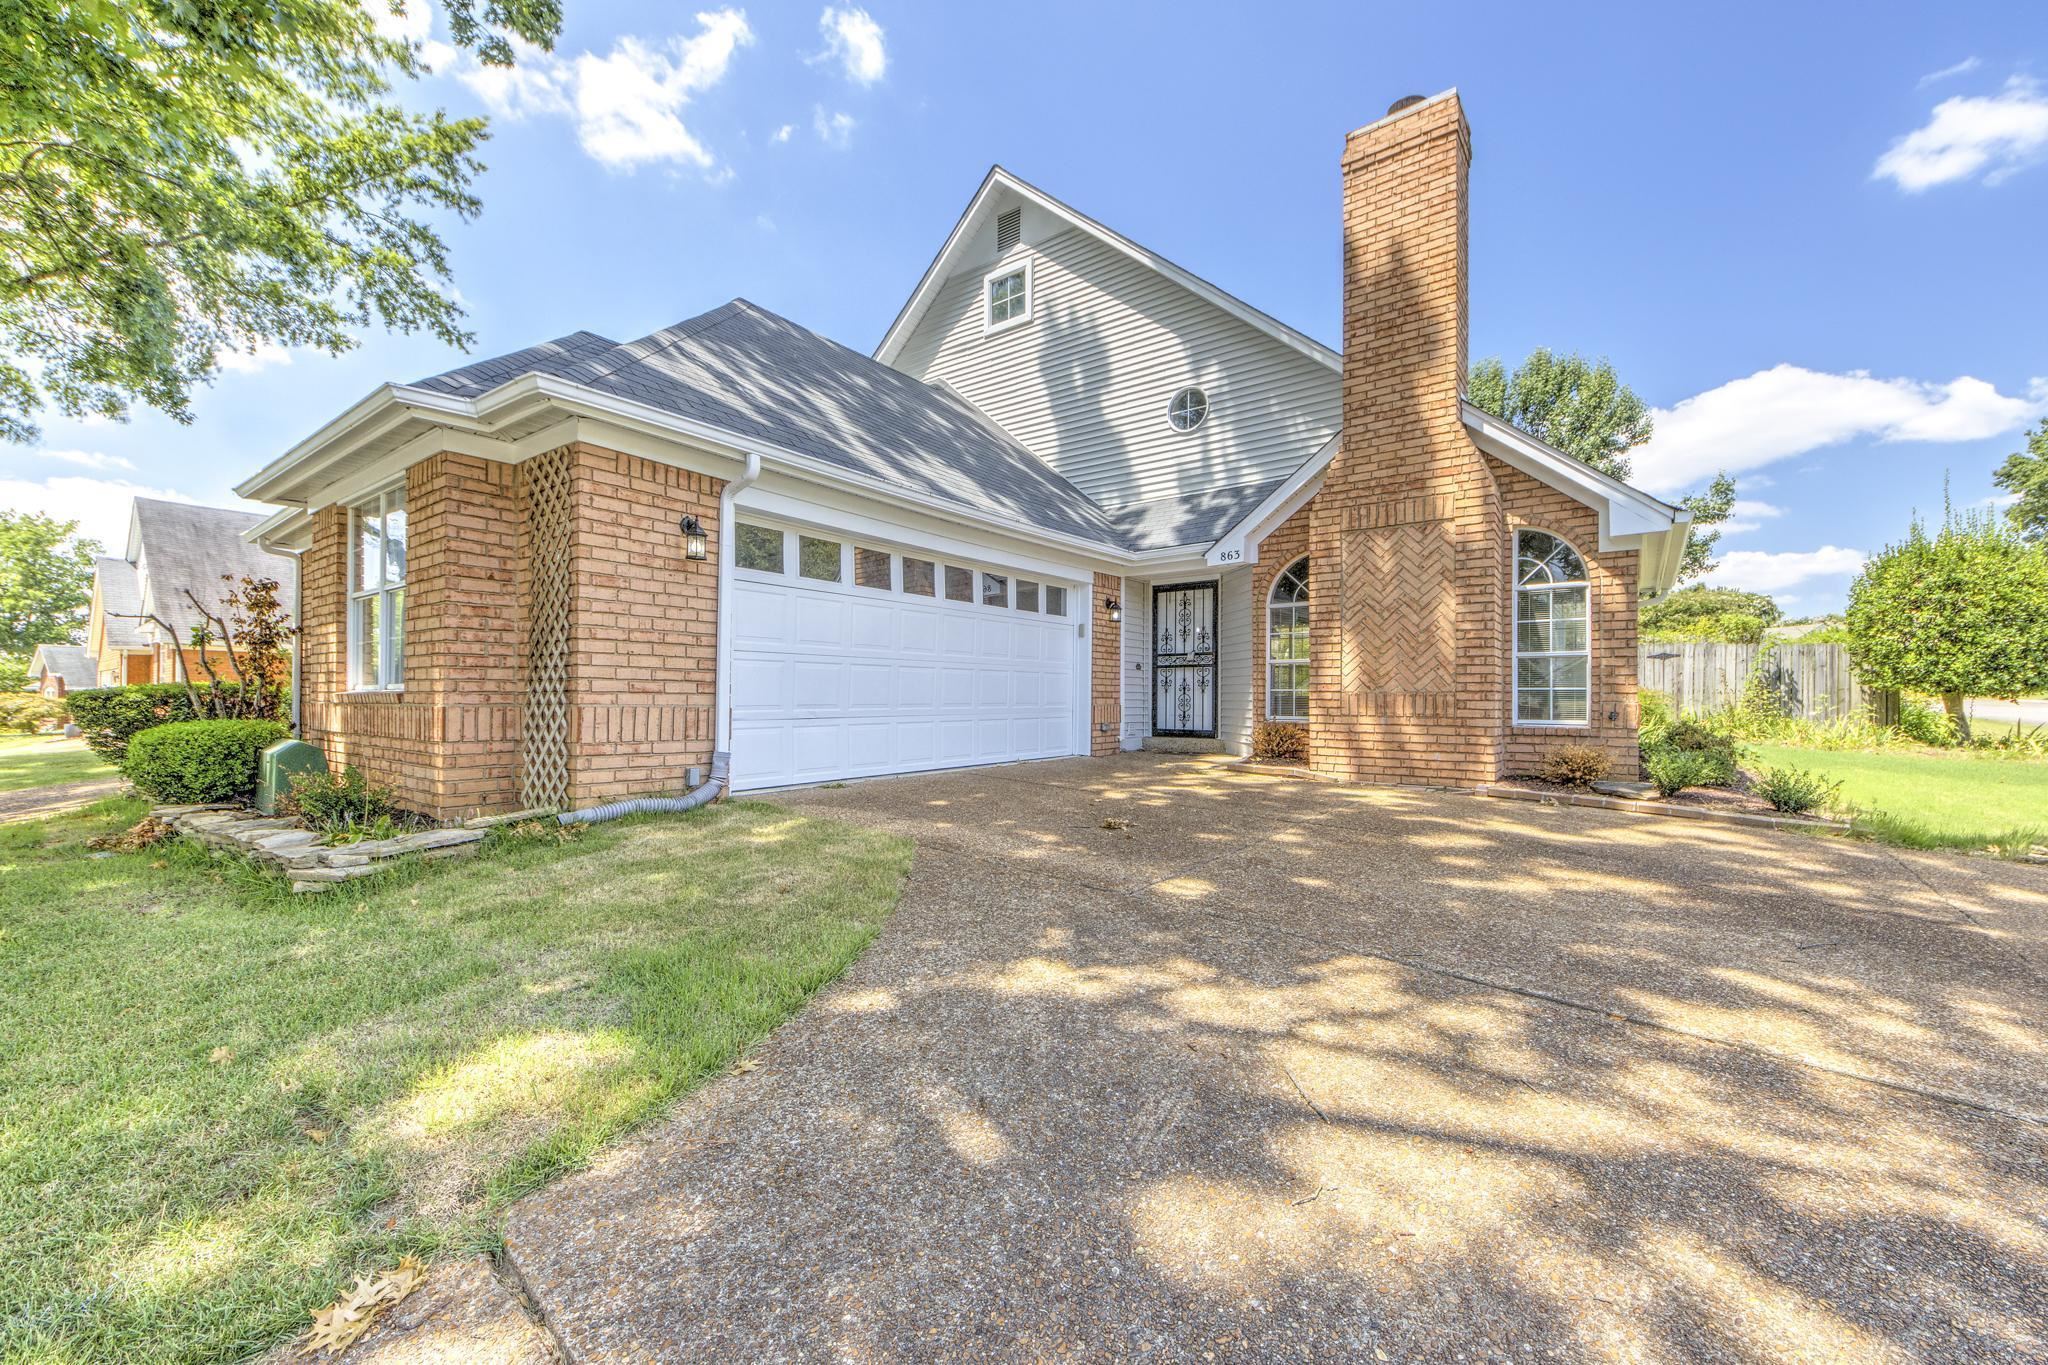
[1932, 799]
[220, 1102]
[42, 761]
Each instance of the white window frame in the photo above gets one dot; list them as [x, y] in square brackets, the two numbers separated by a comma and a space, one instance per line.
[1515, 650]
[1271, 607]
[989, 327]
[390, 671]
[1208, 406]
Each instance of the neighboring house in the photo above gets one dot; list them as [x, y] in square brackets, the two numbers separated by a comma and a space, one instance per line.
[56, 671]
[1078, 501]
[172, 547]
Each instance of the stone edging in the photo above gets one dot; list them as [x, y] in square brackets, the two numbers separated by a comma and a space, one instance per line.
[311, 866]
[1725, 817]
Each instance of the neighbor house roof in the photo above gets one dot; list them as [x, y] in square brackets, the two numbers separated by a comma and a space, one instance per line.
[744, 370]
[69, 662]
[179, 546]
[120, 602]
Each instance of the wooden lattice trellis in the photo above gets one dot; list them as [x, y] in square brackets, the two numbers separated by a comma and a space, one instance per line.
[546, 729]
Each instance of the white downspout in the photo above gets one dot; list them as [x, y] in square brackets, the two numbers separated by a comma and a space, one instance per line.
[298, 635]
[728, 535]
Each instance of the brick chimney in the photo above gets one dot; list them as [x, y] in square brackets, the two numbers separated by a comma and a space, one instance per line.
[1407, 534]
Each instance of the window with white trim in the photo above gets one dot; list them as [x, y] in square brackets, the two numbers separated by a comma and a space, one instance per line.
[376, 599]
[1006, 297]
[1553, 644]
[1287, 644]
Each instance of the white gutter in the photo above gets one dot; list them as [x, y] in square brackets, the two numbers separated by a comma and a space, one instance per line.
[728, 535]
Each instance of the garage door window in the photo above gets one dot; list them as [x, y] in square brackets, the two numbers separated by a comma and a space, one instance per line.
[995, 590]
[959, 584]
[818, 559]
[1055, 600]
[1027, 595]
[759, 549]
[871, 568]
[917, 576]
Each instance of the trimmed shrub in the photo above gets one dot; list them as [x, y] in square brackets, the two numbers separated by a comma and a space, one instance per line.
[1673, 770]
[25, 713]
[1576, 765]
[111, 716]
[338, 804]
[200, 760]
[1274, 739]
[1794, 790]
[1717, 751]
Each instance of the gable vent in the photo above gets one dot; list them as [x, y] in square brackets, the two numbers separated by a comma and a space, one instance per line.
[1009, 230]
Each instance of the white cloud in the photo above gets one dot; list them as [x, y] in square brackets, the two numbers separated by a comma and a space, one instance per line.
[99, 506]
[1765, 571]
[1997, 135]
[627, 104]
[1786, 410]
[415, 26]
[855, 40]
[85, 459]
[834, 130]
[1748, 515]
[783, 133]
[1961, 68]
[261, 357]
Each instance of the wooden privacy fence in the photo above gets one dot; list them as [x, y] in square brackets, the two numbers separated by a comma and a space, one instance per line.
[1813, 682]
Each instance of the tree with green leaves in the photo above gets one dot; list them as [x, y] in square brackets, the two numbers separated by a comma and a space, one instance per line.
[1582, 407]
[1961, 613]
[1697, 603]
[179, 179]
[45, 581]
[2025, 475]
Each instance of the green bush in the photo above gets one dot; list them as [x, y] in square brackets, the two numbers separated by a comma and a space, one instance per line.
[200, 760]
[1728, 627]
[1655, 717]
[26, 713]
[1716, 750]
[339, 804]
[1926, 724]
[1673, 770]
[111, 716]
[1794, 790]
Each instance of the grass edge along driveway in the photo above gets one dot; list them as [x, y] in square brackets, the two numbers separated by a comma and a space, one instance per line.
[1942, 799]
[219, 1102]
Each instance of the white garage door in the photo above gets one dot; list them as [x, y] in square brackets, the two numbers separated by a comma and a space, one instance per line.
[853, 660]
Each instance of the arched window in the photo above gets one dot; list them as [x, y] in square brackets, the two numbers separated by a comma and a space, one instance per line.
[1287, 644]
[1551, 634]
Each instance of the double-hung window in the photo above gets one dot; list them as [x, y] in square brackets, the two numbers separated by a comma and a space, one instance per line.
[1006, 297]
[376, 599]
[1552, 644]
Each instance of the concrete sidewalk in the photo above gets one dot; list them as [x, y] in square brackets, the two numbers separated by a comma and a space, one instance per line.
[1157, 1061]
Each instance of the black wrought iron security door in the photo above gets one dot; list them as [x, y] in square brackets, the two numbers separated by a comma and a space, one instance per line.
[1184, 660]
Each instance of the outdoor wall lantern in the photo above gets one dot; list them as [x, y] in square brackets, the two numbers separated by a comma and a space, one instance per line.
[693, 539]
[1114, 608]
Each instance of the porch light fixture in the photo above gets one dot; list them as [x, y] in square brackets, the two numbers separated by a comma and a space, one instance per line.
[693, 539]
[1114, 608]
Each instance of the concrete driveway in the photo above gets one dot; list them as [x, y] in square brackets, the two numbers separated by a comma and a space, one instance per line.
[1159, 1062]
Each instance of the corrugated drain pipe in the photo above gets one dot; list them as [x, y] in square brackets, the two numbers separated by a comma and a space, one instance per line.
[721, 756]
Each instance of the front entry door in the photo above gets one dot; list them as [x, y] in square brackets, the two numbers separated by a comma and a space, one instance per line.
[1184, 660]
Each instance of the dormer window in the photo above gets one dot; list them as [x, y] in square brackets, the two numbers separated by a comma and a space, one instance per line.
[1006, 297]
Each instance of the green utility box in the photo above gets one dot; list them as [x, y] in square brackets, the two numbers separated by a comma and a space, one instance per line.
[280, 763]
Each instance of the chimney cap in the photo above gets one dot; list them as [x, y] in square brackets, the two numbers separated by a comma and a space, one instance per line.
[1405, 102]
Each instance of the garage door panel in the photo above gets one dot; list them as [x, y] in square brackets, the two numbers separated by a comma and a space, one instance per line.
[835, 681]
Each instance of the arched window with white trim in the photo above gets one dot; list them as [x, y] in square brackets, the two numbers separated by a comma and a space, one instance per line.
[1287, 644]
[1553, 644]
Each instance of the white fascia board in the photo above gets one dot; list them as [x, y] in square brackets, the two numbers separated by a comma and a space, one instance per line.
[1240, 544]
[1625, 512]
[382, 409]
[284, 530]
[942, 269]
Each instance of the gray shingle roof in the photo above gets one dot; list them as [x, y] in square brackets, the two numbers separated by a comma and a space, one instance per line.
[69, 662]
[745, 370]
[120, 602]
[183, 546]
[1188, 518]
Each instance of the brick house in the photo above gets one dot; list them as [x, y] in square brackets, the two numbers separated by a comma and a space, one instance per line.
[1077, 500]
[139, 627]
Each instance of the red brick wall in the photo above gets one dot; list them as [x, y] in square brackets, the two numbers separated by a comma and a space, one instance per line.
[1406, 612]
[1613, 576]
[1288, 542]
[1105, 686]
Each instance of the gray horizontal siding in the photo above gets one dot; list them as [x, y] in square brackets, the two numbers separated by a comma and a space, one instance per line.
[1086, 382]
[1234, 660]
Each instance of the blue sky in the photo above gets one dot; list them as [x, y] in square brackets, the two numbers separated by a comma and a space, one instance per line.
[1811, 236]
